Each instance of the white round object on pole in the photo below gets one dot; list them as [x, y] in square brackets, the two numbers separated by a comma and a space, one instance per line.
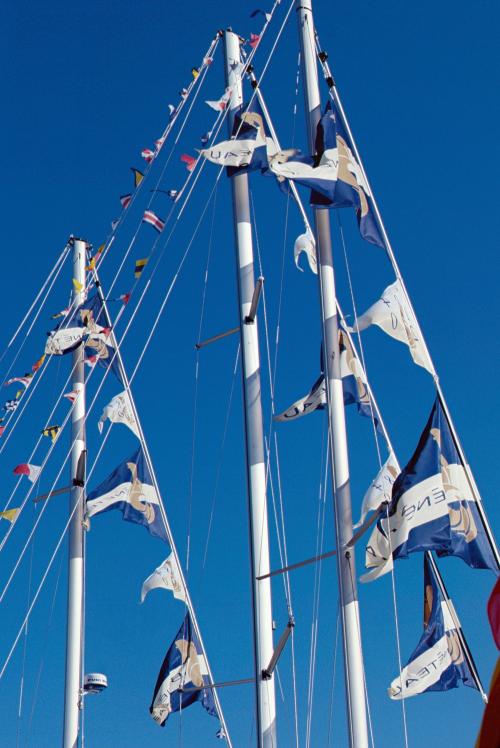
[94, 682]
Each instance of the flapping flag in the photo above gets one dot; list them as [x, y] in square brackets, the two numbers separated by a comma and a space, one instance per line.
[138, 176]
[260, 12]
[380, 489]
[432, 507]
[166, 576]
[184, 667]
[220, 104]
[154, 220]
[306, 243]
[10, 405]
[38, 364]
[139, 267]
[101, 249]
[91, 265]
[32, 472]
[114, 223]
[71, 396]
[171, 111]
[84, 324]
[183, 93]
[129, 489]
[125, 200]
[77, 285]
[10, 514]
[195, 73]
[254, 40]
[438, 663]
[393, 314]
[148, 155]
[2, 429]
[119, 410]
[494, 612]
[26, 380]
[334, 175]
[490, 725]
[190, 161]
[125, 297]
[251, 146]
[51, 431]
[159, 143]
[314, 400]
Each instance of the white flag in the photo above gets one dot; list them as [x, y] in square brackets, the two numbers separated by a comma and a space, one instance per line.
[380, 489]
[221, 103]
[393, 314]
[168, 577]
[119, 410]
[305, 243]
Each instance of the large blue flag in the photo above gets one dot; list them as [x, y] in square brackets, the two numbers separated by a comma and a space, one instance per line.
[130, 489]
[432, 507]
[184, 667]
[334, 175]
[438, 663]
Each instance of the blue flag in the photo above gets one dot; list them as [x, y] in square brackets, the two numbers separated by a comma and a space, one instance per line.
[184, 667]
[438, 663]
[334, 175]
[129, 489]
[85, 321]
[432, 507]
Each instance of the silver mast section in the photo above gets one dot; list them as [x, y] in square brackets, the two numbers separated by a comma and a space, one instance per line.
[256, 473]
[74, 635]
[353, 655]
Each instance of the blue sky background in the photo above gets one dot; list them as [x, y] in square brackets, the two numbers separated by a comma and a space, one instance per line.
[85, 88]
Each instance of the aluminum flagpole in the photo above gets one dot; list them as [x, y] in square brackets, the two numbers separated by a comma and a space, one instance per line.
[74, 635]
[353, 656]
[256, 473]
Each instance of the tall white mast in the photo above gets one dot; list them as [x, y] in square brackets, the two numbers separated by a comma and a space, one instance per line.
[73, 682]
[256, 473]
[353, 655]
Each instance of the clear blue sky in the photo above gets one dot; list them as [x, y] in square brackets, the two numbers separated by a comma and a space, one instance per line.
[85, 88]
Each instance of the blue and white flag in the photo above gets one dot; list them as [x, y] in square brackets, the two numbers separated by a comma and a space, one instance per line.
[184, 667]
[335, 177]
[438, 663]
[130, 489]
[87, 319]
[432, 507]
[354, 386]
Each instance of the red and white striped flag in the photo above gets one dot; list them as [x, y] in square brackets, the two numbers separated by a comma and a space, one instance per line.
[254, 40]
[26, 380]
[148, 155]
[190, 161]
[71, 396]
[159, 143]
[125, 200]
[32, 472]
[152, 218]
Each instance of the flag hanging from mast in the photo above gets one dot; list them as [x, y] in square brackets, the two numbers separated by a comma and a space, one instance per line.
[139, 267]
[119, 410]
[184, 667]
[125, 200]
[153, 220]
[26, 380]
[380, 489]
[51, 431]
[10, 514]
[432, 507]
[138, 176]
[166, 576]
[32, 472]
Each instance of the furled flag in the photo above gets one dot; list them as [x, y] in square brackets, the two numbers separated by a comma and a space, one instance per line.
[432, 507]
[168, 577]
[394, 315]
[32, 472]
[125, 200]
[10, 514]
[195, 73]
[354, 386]
[260, 12]
[138, 176]
[63, 312]
[438, 663]
[51, 431]
[306, 243]
[38, 363]
[85, 323]
[251, 146]
[119, 410]
[154, 220]
[254, 40]
[184, 667]
[77, 285]
[494, 612]
[26, 380]
[71, 396]
[334, 175]
[148, 155]
[380, 489]
[114, 223]
[129, 489]
[220, 104]
[10, 405]
[139, 267]
[490, 725]
[190, 161]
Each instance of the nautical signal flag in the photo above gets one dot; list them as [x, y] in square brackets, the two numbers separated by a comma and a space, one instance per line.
[159, 143]
[259, 12]
[26, 380]
[10, 514]
[221, 103]
[77, 286]
[51, 431]
[125, 297]
[195, 72]
[190, 161]
[154, 220]
[139, 267]
[138, 176]
[10, 405]
[494, 612]
[184, 667]
[114, 223]
[32, 472]
[71, 396]
[100, 250]
[125, 200]
[254, 40]
[148, 155]
[38, 363]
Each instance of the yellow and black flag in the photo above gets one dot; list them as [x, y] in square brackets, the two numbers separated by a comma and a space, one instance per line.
[51, 431]
[195, 72]
[138, 176]
[139, 267]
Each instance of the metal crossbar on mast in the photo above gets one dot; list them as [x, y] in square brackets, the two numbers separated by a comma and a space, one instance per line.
[353, 656]
[256, 473]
